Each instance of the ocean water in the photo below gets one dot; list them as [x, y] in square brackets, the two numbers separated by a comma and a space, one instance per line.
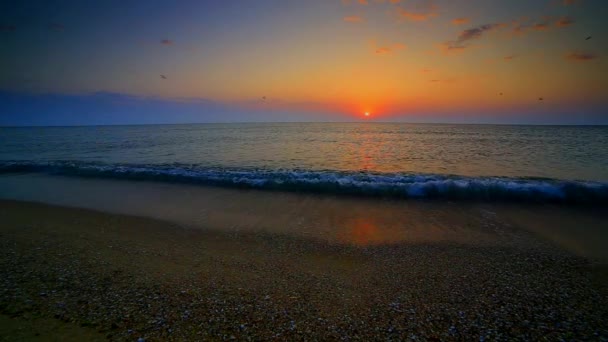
[487, 162]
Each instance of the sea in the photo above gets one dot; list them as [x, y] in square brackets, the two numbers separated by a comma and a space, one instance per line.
[566, 164]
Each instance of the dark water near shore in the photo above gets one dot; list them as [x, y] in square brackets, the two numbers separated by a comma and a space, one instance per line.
[396, 160]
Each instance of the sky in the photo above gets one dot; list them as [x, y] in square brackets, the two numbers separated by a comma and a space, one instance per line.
[458, 61]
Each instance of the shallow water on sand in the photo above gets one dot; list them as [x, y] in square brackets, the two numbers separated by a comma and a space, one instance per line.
[336, 219]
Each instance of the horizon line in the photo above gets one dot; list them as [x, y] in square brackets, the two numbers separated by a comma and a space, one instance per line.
[308, 122]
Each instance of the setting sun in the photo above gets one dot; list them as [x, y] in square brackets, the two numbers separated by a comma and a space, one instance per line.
[366, 113]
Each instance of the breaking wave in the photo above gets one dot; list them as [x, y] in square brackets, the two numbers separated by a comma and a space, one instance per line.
[391, 185]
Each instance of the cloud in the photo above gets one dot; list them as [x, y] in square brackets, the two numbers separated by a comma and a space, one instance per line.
[510, 58]
[56, 27]
[447, 80]
[476, 32]
[363, 2]
[581, 56]
[564, 22]
[462, 42]
[353, 19]
[451, 47]
[570, 2]
[524, 26]
[460, 21]
[386, 50]
[423, 12]
[166, 42]
[543, 26]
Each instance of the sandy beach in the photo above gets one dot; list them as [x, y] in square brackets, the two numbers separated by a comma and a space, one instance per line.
[74, 274]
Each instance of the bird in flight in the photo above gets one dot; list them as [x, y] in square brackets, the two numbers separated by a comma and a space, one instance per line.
[263, 98]
[163, 77]
[500, 94]
[588, 38]
[540, 99]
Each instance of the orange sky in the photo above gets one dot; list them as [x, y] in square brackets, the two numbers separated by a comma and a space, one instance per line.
[387, 57]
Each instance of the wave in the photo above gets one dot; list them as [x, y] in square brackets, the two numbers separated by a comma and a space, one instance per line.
[391, 185]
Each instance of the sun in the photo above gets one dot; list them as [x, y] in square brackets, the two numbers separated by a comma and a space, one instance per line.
[366, 114]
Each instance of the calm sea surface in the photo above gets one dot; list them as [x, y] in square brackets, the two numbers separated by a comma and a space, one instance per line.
[571, 153]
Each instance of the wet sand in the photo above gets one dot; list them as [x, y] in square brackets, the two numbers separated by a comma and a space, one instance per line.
[101, 275]
[333, 219]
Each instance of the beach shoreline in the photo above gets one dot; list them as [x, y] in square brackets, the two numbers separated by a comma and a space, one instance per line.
[123, 277]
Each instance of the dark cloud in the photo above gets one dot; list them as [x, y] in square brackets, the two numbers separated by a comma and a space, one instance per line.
[476, 32]
[166, 42]
[462, 42]
[510, 58]
[581, 56]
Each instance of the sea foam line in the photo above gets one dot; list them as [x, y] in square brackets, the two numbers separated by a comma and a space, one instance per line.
[400, 185]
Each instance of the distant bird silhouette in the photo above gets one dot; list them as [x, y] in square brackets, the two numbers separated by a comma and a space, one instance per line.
[588, 38]
[163, 77]
[263, 98]
[500, 94]
[540, 99]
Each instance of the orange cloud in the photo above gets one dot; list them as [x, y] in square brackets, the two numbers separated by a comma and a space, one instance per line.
[421, 13]
[461, 21]
[353, 19]
[581, 56]
[510, 58]
[363, 2]
[522, 27]
[385, 50]
[564, 22]
[544, 26]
